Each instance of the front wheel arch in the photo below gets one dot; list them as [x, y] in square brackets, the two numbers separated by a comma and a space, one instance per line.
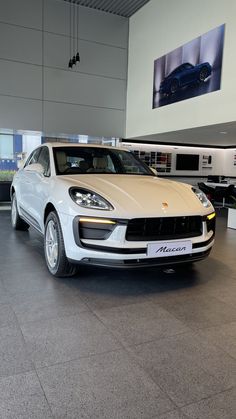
[49, 208]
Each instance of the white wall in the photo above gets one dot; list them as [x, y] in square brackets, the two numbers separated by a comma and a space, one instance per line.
[230, 162]
[37, 90]
[158, 28]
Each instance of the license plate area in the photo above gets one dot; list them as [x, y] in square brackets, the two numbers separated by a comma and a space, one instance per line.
[169, 248]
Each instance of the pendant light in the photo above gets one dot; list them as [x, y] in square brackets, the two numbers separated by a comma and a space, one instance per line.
[74, 34]
[70, 65]
[74, 16]
[77, 27]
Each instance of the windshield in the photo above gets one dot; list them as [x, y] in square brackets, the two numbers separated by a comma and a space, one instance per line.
[77, 160]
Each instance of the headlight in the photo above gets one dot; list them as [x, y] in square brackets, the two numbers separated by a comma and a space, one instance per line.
[202, 197]
[89, 199]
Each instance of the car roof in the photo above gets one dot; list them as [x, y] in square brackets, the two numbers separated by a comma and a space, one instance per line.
[61, 144]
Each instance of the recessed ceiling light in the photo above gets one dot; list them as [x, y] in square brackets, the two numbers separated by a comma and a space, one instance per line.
[223, 132]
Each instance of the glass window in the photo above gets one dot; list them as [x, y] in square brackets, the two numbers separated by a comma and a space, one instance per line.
[33, 158]
[79, 160]
[43, 159]
[6, 146]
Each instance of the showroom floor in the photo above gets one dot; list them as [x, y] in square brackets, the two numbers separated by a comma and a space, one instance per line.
[114, 344]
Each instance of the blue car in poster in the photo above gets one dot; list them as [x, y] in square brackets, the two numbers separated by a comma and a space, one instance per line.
[184, 75]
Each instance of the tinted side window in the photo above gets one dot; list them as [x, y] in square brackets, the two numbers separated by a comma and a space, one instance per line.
[44, 160]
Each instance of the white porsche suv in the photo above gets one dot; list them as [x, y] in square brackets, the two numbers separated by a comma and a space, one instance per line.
[102, 205]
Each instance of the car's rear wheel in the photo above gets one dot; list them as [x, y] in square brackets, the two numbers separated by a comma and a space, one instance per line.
[54, 248]
[174, 86]
[16, 220]
[203, 74]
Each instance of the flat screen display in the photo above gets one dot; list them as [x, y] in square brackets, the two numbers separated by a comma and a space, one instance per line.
[187, 162]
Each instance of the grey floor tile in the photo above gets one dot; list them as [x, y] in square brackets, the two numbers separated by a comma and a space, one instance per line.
[112, 290]
[14, 357]
[214, 359]
[52, 305]
[175, 414]
[226, 292]
[27, 296]
[178, 364]
[199, 311]
[141, 322]
[7, 315]
[103, 387]
[21, 397]
[220, 406]
[62, 339]
[223, 337]
[4, 295]
[35, 280]
[214, 267]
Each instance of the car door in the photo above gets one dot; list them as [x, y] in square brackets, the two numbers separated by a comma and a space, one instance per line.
[24, 181]
[34, 187]
[188, 74]
[40, 187]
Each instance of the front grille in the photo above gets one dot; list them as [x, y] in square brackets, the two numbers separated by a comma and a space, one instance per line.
[163, 228]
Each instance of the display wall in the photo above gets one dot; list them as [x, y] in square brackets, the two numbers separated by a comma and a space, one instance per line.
[164, 158]
[39, 92]
[155, 30]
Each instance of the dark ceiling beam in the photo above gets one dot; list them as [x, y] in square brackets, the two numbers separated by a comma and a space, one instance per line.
[125, 8]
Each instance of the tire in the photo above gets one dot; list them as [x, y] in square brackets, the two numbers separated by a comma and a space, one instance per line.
[54, 248]
[203, 74]
[174, 86]
[16, 221]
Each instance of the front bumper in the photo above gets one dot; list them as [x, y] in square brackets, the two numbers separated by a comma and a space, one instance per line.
[116, 251]
[144, 263]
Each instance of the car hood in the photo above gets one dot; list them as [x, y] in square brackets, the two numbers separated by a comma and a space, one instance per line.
[139, 196]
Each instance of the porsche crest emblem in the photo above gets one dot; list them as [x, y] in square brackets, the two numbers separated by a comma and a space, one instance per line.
[164, 205]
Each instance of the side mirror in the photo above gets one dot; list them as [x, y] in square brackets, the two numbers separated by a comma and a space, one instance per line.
[35, 167]
[154, 171]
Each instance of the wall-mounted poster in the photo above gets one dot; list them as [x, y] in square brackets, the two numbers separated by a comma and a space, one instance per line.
[190, 70]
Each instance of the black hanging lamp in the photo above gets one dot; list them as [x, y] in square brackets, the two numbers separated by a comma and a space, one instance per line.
[73, 34]
[70, 64]
[77, 54]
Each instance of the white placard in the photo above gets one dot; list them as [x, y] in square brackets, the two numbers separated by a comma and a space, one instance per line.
[163, 249]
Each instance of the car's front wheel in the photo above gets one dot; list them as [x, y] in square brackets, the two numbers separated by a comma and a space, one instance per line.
[16, 221]
[54, 248]
[203, 74]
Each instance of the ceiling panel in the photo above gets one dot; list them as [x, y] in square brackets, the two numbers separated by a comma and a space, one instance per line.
[125, 8]
[219, 135]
